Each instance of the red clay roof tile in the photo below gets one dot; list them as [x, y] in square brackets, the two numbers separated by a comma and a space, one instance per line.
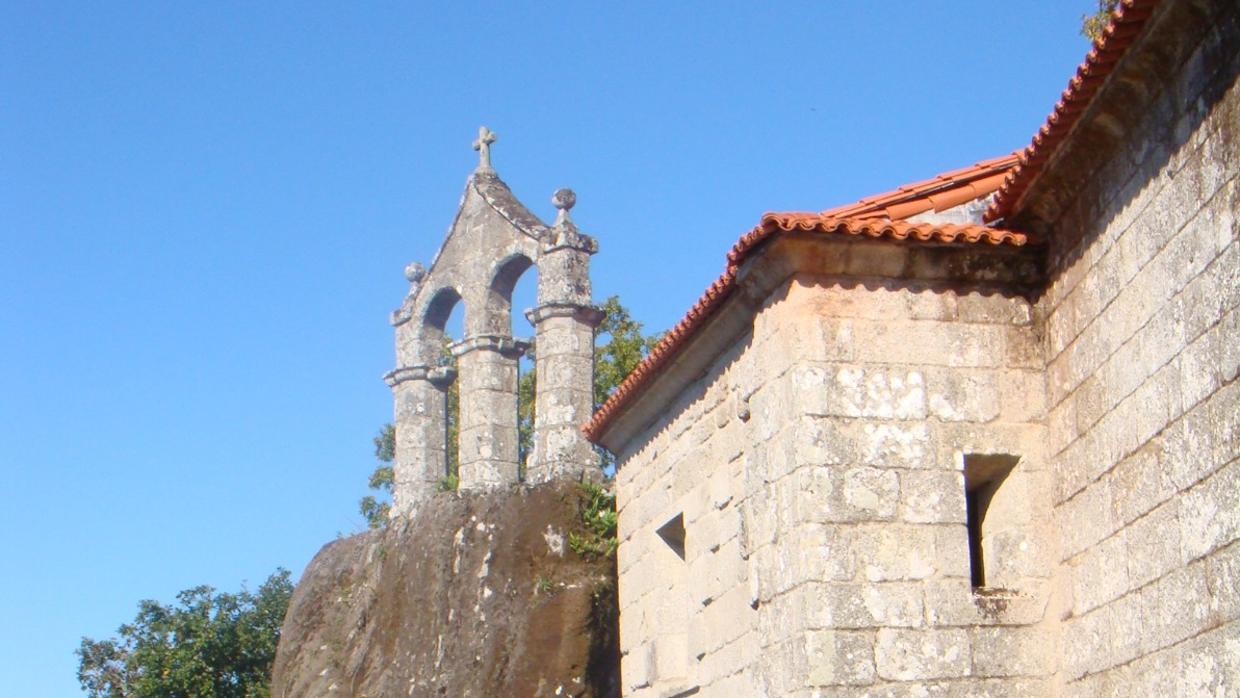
[1127, 21]
[771, 225]
[951, 188]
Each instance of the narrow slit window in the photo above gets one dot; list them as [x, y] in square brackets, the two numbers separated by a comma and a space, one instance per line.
[673, 533]
[984, 475]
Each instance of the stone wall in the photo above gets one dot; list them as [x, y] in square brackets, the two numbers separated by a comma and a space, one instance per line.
[689, 621]
[841, 426]
[818, 467]
[1142, 337]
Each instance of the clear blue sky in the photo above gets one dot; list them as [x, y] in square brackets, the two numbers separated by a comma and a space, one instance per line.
[205, 209]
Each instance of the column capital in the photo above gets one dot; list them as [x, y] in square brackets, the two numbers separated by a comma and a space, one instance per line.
[439, 376]
[565, 236]
[591, 315]
[510, 347]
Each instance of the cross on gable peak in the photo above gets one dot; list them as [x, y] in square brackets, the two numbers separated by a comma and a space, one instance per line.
[483, 145]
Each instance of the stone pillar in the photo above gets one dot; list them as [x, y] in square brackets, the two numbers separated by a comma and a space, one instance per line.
[564, 324]
[487, 369]
[419, 390]
[421, 461]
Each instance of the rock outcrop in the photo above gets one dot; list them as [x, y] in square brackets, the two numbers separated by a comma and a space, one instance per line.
[479, 594]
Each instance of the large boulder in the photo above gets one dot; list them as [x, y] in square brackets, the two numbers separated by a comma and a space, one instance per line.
[478, 594]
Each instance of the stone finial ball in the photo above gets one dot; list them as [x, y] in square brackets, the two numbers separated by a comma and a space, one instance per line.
[564, 199]
[414, 272]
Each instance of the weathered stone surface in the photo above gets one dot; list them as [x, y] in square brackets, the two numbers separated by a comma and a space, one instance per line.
[906, 655]
[473, 595]
[491, 243]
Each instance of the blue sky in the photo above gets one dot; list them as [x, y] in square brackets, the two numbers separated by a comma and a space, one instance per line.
[205, 209]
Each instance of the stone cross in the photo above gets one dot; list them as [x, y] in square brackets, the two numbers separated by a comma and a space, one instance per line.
[483, 145]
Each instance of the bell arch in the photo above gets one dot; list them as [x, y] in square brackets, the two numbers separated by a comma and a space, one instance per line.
[493, 241]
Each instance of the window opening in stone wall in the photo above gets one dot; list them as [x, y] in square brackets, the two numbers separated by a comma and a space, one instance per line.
[984, 475]
[673, 533]
[671, 661]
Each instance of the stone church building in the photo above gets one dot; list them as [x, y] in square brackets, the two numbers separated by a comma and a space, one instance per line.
[976, 436]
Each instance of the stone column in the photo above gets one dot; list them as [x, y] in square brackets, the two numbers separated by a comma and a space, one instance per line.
[564, 323]
[487, 369]
[419, 389]
[420, 394]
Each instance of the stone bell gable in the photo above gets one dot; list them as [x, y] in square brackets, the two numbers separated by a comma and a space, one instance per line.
[491, 243]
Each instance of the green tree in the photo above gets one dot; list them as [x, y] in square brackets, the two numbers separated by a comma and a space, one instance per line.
[208, 644]
[625, 347]
[1092, 25]
[382, 478]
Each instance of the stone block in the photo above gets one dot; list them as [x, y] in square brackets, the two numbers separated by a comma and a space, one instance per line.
[1209, 515]
[1016, 554]
[1210, 664]
[953, 602]
[951, 550]
[963, 395]
[860, 391]
[1022, 395]
[937, 343]
[1153, 543]
[839, 658]
[1175, 607]
[862, 605]
[908, 655]
[868, 494]
[1100, 574]
[637, 668]
[1223, 582]
[1085, 519]
[1087, 643]
[993, 309]
[1012, 651]
[1138, 484]
[932, 497]
[891, 552]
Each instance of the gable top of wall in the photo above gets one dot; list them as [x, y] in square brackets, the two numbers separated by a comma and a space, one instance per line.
[1127, 23]
[500, 198]
[895, 215]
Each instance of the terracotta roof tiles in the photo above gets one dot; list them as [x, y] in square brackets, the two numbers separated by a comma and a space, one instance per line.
[938, 193]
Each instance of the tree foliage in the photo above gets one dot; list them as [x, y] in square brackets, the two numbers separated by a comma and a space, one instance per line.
[382, 478]
[625, 347]
[208, 644]
[1092, 25]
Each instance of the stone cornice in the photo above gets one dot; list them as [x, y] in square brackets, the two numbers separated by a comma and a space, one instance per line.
[508, 346]
[439, 376]
[591, 315]
[566, 237]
